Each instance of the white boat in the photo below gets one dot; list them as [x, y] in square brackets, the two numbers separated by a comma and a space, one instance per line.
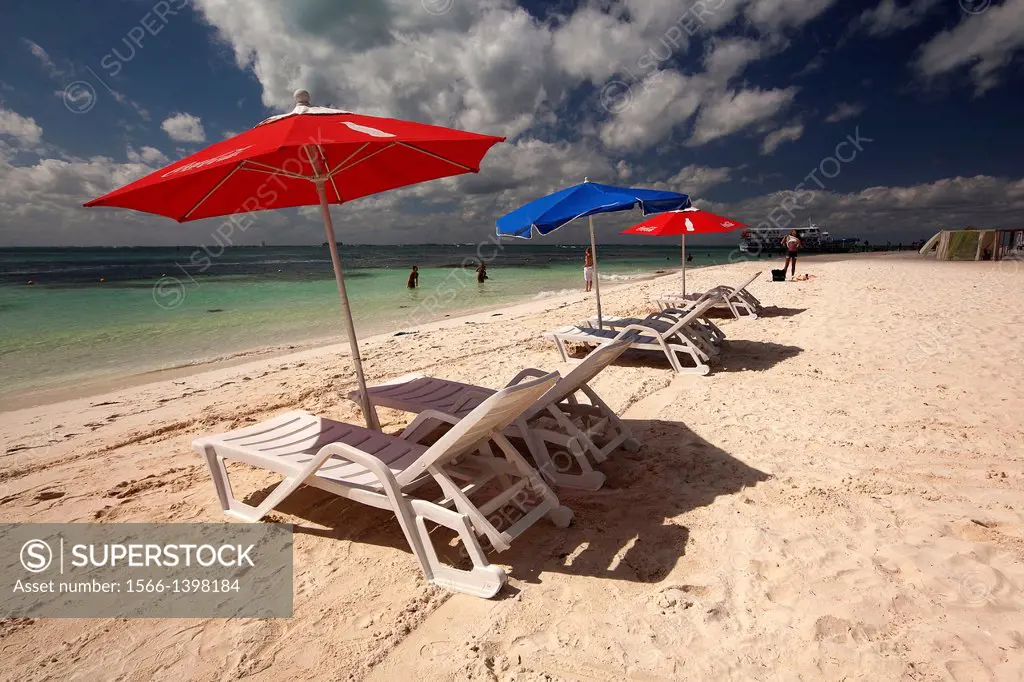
[815, 240]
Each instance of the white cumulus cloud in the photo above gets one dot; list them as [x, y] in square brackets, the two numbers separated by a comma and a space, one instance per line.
[775, 138]
[888, 17]
[733, 111]
[985, 42]
[150, 156]
[844, 111]
[22, 129]
[184, 128]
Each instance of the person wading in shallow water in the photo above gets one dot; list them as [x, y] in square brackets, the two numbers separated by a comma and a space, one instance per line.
[414, 278]
[588, 269]
[792, 244]
[481, 273]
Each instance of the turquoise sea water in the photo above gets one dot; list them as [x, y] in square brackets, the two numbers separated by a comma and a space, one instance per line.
[165, 307]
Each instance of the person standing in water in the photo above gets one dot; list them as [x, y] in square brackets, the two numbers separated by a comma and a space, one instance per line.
[588, 269]
[481, 272]
[414, 278]
[792, 243]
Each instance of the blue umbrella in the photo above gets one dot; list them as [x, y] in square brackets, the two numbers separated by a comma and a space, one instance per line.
[547, 214]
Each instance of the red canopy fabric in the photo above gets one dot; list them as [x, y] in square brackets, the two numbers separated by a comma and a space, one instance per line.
[687, 221]
[273, 165]
[682, 223]
[312, 155]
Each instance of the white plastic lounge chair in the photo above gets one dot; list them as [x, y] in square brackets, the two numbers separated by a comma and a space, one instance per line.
[739, 301]
[672, 341]
[701, 331]
[382, 471]
[567, 405]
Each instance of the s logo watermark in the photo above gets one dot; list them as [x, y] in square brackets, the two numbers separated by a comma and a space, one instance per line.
[36, 556]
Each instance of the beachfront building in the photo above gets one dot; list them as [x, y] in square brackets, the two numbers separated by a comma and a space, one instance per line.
[975, 243]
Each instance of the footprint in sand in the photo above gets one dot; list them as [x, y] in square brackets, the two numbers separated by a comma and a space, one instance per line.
[832, 629]
[968, 671]
[680, 597]
[971, 581]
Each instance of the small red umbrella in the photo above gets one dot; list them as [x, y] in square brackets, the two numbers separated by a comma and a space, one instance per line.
[309, 156]
[684, 222]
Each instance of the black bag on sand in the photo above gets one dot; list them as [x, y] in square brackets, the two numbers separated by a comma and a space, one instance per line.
[778, 275]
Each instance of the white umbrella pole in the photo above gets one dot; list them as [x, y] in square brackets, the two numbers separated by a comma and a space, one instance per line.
[683, 262]
[597, 280]
[364, 398]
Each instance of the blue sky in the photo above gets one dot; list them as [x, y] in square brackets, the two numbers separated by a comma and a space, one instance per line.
[735, 102]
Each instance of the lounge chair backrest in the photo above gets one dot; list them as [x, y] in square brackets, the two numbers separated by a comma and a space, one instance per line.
[697, 311]
[748, 282]
[590, 367]
[490, 416]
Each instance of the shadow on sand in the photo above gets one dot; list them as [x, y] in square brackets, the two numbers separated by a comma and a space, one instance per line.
[631, 529]
[777, 311]
[738, 355]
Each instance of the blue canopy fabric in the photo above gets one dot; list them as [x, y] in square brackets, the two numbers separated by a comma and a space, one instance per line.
[550, 212]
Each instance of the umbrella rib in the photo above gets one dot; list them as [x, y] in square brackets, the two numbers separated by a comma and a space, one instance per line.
[312, 164]
[212, 190]
[271, 170]
[336, 192]
[347, 159]
[358, 161]
[323, 160]
[436, 156]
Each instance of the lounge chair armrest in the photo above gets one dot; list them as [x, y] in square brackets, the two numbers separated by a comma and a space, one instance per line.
[356, 456]
[528, 372]
[424, 417]
[633, 330]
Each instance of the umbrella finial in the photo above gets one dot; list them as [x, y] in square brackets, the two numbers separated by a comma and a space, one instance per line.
[302, 97]
[585, 179]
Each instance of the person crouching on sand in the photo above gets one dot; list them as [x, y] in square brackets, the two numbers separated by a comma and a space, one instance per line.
[414, 278]
[792, 244]
[588, 269]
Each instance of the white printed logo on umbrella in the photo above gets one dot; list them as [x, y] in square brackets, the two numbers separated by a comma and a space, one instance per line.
[372, 132]
[201, 164]
[689, 225]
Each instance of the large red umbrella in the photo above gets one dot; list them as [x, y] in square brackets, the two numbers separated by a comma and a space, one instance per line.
[312, 155]
[684, 222]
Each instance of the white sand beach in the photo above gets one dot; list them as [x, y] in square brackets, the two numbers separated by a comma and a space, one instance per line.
[841, 498]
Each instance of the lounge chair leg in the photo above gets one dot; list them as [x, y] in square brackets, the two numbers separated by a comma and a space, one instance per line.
[742, 304]
[219, 474]
[561, 349]
[587, 479]
[674, 357]
[559, 515]
[629, 441]
[579, 439]
[732, 308]
[234, 507]
[483, 580]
